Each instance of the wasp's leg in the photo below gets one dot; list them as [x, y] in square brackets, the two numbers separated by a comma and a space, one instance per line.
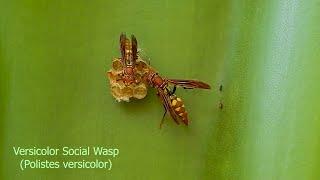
[147, 61]
[173, 90]
[164, 114]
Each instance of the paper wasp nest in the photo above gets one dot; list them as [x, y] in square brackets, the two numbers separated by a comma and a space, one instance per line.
[119, 90]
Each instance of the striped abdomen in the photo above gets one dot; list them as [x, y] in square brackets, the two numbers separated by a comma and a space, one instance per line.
[179, 108]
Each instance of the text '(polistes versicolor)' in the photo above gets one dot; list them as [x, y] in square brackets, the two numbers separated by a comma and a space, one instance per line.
[86, 157]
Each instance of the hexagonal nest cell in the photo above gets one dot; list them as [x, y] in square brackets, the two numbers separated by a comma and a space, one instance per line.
[122, 92]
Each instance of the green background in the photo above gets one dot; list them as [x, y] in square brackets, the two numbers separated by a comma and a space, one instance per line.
[54, 92]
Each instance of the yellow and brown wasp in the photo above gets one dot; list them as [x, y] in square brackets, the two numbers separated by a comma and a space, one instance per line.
[170, 101]
[128, 58]
[126, 73]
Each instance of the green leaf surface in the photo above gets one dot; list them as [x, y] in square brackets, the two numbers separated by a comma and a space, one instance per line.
[265, 54]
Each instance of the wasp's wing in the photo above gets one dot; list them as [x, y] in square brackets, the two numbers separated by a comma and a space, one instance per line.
[122, 44]
[189, 84]
[134, 47]
[167, 104]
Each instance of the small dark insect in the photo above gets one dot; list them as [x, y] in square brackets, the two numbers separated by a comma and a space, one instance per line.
[220, 105]
[220, 88]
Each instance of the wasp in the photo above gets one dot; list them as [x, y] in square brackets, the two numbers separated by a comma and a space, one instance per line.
[128, 58]
[171, 103]
[130, 64]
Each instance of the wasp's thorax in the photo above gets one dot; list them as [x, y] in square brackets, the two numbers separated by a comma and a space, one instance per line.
[155, 80]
